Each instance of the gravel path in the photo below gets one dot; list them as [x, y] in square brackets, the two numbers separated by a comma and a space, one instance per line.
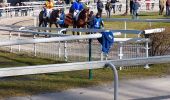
[138, 89]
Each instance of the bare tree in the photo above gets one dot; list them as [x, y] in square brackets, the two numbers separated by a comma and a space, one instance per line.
[160, 43]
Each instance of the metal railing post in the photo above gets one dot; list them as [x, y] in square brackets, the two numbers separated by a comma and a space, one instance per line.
[10, 37]
[59, 49]
[35, 51]
[90, 56]
[147, 54]
[150, 24]
[19, 36]
[116, 79]
[125, 36]
[65, 51]
[120, 52]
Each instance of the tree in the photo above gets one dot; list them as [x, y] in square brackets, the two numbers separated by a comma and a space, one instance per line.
[127, 7]
[160, 43]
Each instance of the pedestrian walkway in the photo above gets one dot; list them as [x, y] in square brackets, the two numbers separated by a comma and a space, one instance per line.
[138, 89]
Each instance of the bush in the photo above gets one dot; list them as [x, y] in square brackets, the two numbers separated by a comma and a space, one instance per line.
[160, 43]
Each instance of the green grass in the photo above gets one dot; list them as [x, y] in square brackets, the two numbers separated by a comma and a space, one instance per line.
[35, 84]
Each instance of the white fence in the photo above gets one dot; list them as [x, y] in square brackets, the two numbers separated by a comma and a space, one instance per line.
[33, 7]
[74, 50]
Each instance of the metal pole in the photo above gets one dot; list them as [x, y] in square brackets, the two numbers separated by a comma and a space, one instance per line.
[147, 54]
[120, 53]
[116, 79]
[125, 29]
[90, 70]
[150, 24]
[10, 37]
[35, 21]
[35, 51]
[59, 49]
[19, 46]
[65, 51]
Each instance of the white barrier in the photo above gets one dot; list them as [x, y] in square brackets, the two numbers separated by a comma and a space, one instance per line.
[4, 72]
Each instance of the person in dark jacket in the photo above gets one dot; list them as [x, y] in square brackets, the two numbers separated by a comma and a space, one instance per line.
[113, 2]
[135, 8]
[100, 7]
[168, 7]
[91, 20]
[108, 8]
[131, 6]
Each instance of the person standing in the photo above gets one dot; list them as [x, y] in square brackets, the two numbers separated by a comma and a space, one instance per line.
[108, 8]
[147, 4]
[91, 19]
[135, 8]
[168, 7]
[113, 2]
[61, 18]
[98, 22]
[100, 7]
[131, 5]
[161, 6]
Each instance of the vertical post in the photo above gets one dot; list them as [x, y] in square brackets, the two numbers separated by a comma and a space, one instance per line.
[35, 21]
[116, 79]
[59, 49]
[90, 71]
[125, 36]
[10, 37]
[147, 53]
[19, 46]
[65, 51]
[35, 51]
[120, 53]
[150, 24]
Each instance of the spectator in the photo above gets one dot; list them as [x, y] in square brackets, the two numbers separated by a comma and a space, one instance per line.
[152, 4]
[108, 8]
[131, 5]
[147, 4]
[161, 6]
[61, 18]
[90, 23]
[100, 7]
[168, 7]
[98, 22]
[113, 2]
[90, 20]
[1, 5]
[135, 8]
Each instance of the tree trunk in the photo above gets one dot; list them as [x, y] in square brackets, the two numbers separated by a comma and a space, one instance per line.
[127, 6]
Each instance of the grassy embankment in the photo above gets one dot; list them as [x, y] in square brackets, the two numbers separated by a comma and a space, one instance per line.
[33, 84]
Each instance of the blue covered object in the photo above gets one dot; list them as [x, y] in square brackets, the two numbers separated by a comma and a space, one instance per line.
[106, 41]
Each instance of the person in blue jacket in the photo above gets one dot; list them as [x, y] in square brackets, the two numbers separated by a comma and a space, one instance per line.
[135, 9]
[77, 7]
[61, 18]
[98, 22]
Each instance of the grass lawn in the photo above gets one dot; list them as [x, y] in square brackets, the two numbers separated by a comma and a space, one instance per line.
[34, 84]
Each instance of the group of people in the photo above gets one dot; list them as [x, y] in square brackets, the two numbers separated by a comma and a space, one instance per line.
[162, 4]
[94, 21]
[110, 4]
